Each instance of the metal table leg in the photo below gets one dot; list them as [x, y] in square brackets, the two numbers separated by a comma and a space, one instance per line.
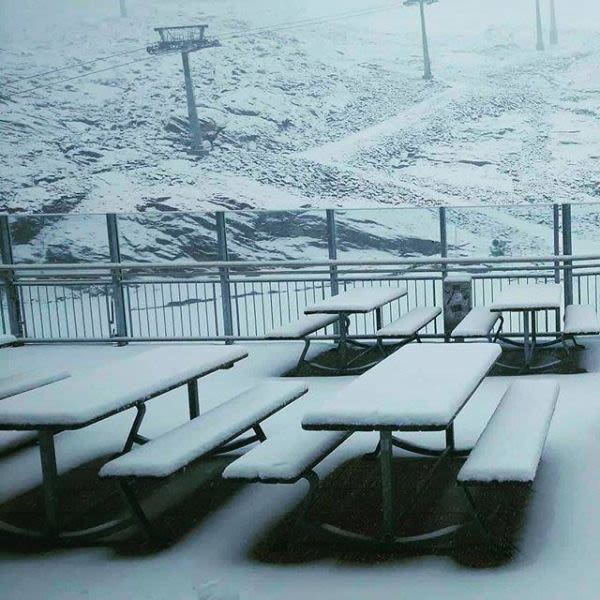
[50, 481]
[385, 456]
[193, 401]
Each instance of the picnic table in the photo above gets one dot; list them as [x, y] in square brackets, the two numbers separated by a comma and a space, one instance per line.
[356, 301]
[419, 388]
[87, 398]
[529, 299]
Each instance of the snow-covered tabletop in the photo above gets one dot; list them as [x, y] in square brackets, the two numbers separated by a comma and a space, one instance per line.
[357, 300]
[419, 386]
[535, 296]
[82, 399]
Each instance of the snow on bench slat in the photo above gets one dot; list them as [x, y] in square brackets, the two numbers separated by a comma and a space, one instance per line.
[581, 319]
[478, 323]
[179, 447]
[419, 385]
[528, 297]
[510, 447]
[81, 399]
[357, 300]
[410, 323]
[29, 380]
[286, 456]
[6, 338]
[303, 326]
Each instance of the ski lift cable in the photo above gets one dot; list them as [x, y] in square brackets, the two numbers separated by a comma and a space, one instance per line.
[281, 27]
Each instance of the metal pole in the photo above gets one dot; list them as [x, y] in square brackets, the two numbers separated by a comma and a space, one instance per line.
[538, 23]
[332, 253]
[191, 104]
[224, 274]
[568, 251]
[426, 60]
[123, 8]
[553, 27]
[387, 487]
[443, 238]
[50, 480]
[117, 277]
[13, 300]
[332, 250]
[556, 225]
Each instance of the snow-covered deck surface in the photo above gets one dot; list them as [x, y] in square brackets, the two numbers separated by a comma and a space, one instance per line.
[558, 550]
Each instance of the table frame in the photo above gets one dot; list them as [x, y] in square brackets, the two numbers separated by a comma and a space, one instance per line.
[530, 342]
[384, 451]
[50, 478]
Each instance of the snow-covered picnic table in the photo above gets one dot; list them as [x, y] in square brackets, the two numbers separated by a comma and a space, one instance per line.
[356, 301]
[89, 397]
[421, 387]
[529, 299]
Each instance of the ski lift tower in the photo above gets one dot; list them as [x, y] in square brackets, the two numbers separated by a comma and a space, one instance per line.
[185, 39]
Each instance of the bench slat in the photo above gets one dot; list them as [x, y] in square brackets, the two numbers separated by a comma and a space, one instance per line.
[510, 447]
[285, 457]
[410, 323]
[179, 447]
[581, 319]
[29, 380]
[303, 326]
[479, 322]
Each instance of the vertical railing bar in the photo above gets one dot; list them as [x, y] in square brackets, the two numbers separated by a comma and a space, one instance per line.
[117, 276]
[15, 312]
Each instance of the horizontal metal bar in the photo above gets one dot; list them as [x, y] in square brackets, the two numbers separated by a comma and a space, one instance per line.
[242, 338]
[483, 260]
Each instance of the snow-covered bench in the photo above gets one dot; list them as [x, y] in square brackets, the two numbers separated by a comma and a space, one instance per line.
[300, 329]
[29, 380]
[510, 448]
[408, 326]
[7, 340]
[580, 319]
[479, 323]
[286, 458]
[17, 384]
[211, 433]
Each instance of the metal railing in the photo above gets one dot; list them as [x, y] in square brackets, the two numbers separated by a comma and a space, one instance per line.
[235, 299]
[169, 302]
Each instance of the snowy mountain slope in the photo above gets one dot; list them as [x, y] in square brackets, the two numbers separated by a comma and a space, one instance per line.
[333, 113]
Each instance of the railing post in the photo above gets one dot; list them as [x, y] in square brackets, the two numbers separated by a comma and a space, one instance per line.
[224, 275]
[567, 251]
[332, 250]
[443, 238]
[117, 276]
[556, 224]
[15, 314]
[332, 253]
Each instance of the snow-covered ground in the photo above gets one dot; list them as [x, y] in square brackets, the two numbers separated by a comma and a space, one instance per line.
[558, 549]
[330, 113]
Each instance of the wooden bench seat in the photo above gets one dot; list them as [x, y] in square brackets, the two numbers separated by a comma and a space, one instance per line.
[409, 325]
[509, 450]
[286, 457]
[210, 433]
[479, 323]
